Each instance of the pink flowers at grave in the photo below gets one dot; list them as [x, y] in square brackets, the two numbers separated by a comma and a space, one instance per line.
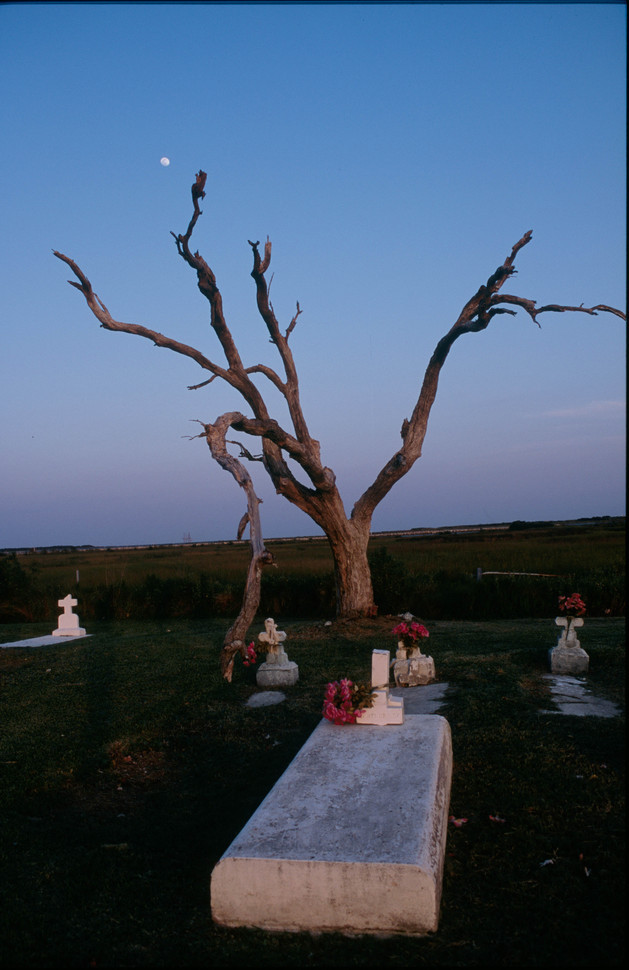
[410, 631]
[572, 605]
[344, 701]
[251, 655]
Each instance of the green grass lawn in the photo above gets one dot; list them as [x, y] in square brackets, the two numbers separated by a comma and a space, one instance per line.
[128, 766]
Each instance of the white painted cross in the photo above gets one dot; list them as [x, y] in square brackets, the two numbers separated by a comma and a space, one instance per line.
[386, 709]
[67, 603]
[68, 622]
[273, 639]
[568, 635]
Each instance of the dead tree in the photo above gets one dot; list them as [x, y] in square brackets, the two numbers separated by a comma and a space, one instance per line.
[348, 535]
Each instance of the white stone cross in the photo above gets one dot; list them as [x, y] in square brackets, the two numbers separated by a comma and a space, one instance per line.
[568, 634]
[272, 635]
[67, 603]
[386, 709]
[273, 639]
[380, 669]
[68, 622]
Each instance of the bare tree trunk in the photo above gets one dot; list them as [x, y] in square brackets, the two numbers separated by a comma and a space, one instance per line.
[234, 641]
[352, 575]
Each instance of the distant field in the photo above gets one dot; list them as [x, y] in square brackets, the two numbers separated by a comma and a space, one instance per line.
[563, 549]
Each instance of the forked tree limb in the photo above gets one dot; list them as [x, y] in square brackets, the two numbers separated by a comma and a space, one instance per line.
[475, 316]
[234, 642]
[108, 322]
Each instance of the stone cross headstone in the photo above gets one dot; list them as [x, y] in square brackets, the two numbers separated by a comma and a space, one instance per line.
[568, 657]
[386, 709]
[277, 670]
[413, 670]
[273, 639]
[68, 622]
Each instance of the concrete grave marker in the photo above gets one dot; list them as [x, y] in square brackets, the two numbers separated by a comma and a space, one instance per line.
[386, 708]
[568, 657]
[412, 667]
[68, 622]
[277, 670]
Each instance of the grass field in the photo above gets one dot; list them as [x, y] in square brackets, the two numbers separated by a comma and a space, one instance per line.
[128, 766]
[433, 576]
[563, 548]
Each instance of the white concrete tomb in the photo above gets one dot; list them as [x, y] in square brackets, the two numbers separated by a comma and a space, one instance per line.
[68, 622]
[351, 839]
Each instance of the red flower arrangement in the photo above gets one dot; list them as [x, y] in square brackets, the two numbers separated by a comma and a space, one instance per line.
[345, 702]
[410, 633]
[572, 605]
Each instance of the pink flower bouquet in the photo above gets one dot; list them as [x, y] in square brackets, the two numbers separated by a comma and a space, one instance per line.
[344, 701]
[410, 633]
[572, 605]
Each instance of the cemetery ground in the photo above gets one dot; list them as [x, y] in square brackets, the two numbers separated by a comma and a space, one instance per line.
[128, 765]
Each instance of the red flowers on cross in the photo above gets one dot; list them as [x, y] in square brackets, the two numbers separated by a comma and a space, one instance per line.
[572, 605]
[412, 631]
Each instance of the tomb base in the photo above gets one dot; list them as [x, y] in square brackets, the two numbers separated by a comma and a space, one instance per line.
[277, 675]
[413, 672]
[76, 631]
[568, 660]
[351, 839]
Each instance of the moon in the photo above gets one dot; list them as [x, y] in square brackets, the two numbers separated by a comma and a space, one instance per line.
[164, 161]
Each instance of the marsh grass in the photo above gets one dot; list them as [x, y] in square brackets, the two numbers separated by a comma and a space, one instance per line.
[432, 575]
[128, 766]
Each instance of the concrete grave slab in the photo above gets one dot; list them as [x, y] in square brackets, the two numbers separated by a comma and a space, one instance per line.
[265, 698]
[43, 641]
[572, 696]
[351, 838]
[424, 699]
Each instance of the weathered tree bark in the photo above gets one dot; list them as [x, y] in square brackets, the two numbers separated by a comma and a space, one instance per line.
[348, 535]
[234, 641]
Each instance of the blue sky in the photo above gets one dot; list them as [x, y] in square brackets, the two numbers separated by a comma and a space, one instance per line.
[393, 153]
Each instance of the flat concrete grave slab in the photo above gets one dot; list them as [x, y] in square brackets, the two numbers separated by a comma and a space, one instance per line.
[424, 699]
[46, 641]
[351, 839]
[573, 696]
[265, 698]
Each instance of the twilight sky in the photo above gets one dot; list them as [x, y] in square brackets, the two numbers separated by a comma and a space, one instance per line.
[394, 153]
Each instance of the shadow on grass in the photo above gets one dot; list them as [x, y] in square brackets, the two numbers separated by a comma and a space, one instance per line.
[111, 829]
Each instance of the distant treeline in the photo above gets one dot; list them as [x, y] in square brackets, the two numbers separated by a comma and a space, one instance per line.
[434, 577]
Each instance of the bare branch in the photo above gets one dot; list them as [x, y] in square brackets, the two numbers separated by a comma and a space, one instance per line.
[270, 373]
[244, 453]
[260, 556]
[242, 525]
[291, 326]
[101, 312]
[475, 316]
[534, 311]
[196, 387]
